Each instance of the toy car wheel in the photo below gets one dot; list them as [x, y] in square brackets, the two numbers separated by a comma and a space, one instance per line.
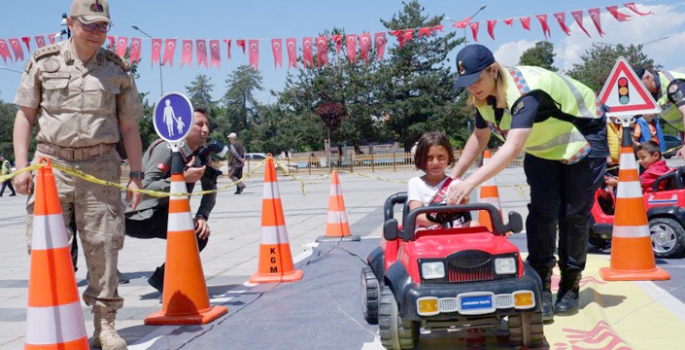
[526, 329]
[370, 295]
[668, 237]
[396, 332]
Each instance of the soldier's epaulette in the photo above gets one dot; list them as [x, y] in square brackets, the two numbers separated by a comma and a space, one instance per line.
[117, 59]
[46, 51]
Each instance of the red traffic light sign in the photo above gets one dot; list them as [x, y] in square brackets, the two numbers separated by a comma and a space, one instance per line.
[625, 94]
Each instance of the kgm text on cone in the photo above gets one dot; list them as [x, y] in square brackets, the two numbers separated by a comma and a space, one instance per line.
[185, 299]
[632, 258]
[488, 194]
[337, 225]
[275, 259]
[54, 319]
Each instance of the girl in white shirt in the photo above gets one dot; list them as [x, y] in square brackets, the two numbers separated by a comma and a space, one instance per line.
[433, 156]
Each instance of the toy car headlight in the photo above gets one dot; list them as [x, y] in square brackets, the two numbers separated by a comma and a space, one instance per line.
[505, 266]
[432, 270]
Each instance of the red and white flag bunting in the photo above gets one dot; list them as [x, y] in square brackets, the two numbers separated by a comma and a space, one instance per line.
[201, 49]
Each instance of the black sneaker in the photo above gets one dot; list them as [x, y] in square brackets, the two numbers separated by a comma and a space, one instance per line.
[240, 190]
[157, 280]
[567, 303]
[13, 194]
[122, 278]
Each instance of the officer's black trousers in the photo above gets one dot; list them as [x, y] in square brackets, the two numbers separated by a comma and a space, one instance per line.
[560, 194]
[154, 227]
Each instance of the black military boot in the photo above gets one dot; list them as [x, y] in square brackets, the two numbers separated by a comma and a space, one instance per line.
[567, 296]
[157, 279]
[547, 301]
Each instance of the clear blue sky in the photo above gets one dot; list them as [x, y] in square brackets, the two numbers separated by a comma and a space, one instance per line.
[219, 19]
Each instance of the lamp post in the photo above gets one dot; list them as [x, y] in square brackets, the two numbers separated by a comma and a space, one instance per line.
[643, 44]
[482, 7]
[64, 23]
[161, 82]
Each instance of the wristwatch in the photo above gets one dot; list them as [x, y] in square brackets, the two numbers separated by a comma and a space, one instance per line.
[136, 175]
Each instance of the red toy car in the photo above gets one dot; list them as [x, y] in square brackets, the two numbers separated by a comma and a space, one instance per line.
[665, 211]
[449, 278]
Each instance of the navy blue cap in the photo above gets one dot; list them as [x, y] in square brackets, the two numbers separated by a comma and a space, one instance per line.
[639, 71]
[471, 60]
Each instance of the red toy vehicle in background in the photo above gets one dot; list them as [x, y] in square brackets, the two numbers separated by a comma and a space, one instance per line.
[449, 278]
[665, 210]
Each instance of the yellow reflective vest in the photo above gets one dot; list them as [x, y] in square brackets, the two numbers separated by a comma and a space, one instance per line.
[669, 111]
[553, 138]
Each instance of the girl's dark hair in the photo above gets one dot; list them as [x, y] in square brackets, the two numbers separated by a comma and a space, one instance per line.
[650, 146]
[428, 139]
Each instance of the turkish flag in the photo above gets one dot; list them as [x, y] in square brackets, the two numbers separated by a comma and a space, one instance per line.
[40, 40]
[462, 24]
[215, 54]
[241, 43]
[525, 22]
[561, 19]
[491, 28]
[27, 41]
[436, 28]
[51, 38]
[277, 49]
[508, 21]
[351, 45]
[424, 31]
[595, 15]
[400, 37]
[365, 45]
[169, 51]
[111, 42]
[156, 50]
[322, 50]
[4, 51]
[187, 52]
[408, 35]
[122, 45]
[134, 55]
[292, 52]
[201, 48]
[543, 24]
[474, 29]
[254, 53]
[633, 7]
[578, 16]
[337, 39]
[228, 52]
[621, 17]
[308, 52]
[380, 40]
[16, 48]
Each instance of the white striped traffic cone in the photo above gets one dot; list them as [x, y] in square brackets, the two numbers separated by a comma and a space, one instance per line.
[337, 226]
[488, 194]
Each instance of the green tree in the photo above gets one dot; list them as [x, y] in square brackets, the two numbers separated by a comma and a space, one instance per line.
[416, 83]
[597, 62]
[200, 91]
[7, 114]
[241, 105]
[540, 55]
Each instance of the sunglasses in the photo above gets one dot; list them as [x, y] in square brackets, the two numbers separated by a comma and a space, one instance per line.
[90, 27]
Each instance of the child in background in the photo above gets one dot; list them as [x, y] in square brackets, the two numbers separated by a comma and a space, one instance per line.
[433, 156]
[649, 156]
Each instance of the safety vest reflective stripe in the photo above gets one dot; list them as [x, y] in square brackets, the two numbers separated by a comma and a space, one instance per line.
[669, 112]
[582, 106]
[559, 140]
[274, 235]
[45, 330]
[42, 227]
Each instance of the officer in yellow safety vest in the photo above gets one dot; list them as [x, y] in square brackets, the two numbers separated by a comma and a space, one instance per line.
[668, 89]
[559, 124]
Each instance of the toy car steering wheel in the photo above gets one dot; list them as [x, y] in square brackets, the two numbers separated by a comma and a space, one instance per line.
[446, 218]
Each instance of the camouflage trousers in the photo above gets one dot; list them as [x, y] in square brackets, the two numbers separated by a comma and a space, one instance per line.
[99, 215]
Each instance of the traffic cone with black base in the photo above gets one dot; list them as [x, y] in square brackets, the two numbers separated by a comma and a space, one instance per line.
[337, 226]
[54, 319]
[488, 194]
[632, 258]
[185, 299]
[275, 259]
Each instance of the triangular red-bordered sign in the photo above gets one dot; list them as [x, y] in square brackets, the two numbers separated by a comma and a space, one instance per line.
[625, 94]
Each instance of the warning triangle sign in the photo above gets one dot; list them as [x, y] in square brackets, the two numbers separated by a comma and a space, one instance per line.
[625, 94]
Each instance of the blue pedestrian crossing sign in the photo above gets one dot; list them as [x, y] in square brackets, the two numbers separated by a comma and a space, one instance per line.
[173, 117]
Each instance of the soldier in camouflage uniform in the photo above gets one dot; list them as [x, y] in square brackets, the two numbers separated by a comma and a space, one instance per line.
[82, 97]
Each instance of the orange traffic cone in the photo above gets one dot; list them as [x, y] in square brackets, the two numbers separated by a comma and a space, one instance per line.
[488, 194]
[337, 227]
[275, 259]
[54, 319]
[632, 258]
[185, 298]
